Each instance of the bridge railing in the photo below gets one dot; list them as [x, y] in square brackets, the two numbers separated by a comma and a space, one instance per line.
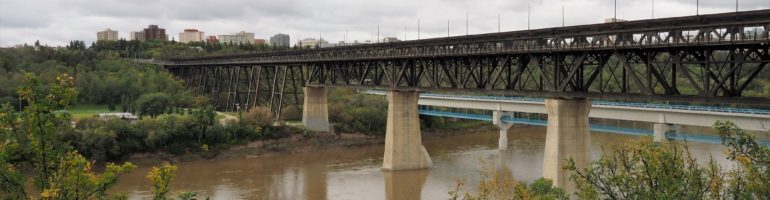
[603, 103]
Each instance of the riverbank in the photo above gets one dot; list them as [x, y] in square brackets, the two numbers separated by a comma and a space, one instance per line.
[299, 142]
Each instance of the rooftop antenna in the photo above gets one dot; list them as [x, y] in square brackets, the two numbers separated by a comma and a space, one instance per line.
[346, 37]
[498, 22]
[447, 28]
[697, 7]
[736, 5]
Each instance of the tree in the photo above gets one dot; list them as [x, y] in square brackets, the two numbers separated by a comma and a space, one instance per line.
[34, 134]
[750, 179]
[648, 170]
[161, 177]
[153, 104]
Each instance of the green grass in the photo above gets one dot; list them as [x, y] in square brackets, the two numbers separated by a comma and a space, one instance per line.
[83, 111]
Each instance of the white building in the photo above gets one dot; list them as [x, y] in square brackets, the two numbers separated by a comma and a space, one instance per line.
[312, 43]
[107, 35]
[611, 20]
[191, 35]
[242, 37]
[390, 39]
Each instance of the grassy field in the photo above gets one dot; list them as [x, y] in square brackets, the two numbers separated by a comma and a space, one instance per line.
[83, 111]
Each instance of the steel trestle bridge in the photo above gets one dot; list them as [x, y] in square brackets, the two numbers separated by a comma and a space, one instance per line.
[713, 58]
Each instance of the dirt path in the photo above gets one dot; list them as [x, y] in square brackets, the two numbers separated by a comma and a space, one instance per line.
[228, 117]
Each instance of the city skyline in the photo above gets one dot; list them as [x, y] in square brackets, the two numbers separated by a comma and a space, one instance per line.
[67, 21]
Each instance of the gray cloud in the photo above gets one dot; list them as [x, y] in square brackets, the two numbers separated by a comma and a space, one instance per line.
[56, 22]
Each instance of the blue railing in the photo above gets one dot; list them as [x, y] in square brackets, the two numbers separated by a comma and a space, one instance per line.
[605, 103]
[695, 137]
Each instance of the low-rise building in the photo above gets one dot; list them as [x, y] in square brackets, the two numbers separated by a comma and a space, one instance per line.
[260, 42]
[242, 37]
[390, 39]
[611, 20]
[311, 43]
[211, 39]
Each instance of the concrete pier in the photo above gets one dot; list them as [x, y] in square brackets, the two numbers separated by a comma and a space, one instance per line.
[567, 136]
[660, 131]
[503, 127]
[315, 114]
[403, 142]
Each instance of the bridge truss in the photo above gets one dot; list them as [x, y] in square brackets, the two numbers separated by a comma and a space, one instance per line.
[709, 58]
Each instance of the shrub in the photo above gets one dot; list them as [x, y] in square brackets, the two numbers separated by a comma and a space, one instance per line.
[258, 116]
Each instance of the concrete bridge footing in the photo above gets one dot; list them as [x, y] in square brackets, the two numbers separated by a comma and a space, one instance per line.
[503, 127]
[567, 137]
[660, 131]
[403, 139]
[315, 113]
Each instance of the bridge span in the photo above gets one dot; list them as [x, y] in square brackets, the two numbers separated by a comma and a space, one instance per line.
[714, 58]
[664, 117]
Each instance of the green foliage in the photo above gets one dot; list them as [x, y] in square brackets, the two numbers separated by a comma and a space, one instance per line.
[648, 170]
[497, 182]
[33, 138]
[160, 178]
[153, 104]
[101, 77]
[116, 139]
[355, 112]
[258, 117]
[76, 180]
[750, 179]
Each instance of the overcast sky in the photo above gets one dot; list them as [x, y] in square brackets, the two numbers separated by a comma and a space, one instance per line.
[56, 22]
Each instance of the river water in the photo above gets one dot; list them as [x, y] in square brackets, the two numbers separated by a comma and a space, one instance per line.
[354, 173]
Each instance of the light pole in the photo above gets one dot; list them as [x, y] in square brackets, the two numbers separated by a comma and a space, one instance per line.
[616, 12]
[466, 22]
[529, 13]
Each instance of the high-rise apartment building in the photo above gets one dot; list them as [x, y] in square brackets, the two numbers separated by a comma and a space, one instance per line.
[107, 35]
[280, 40]
[191, 35]
[153, 32]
